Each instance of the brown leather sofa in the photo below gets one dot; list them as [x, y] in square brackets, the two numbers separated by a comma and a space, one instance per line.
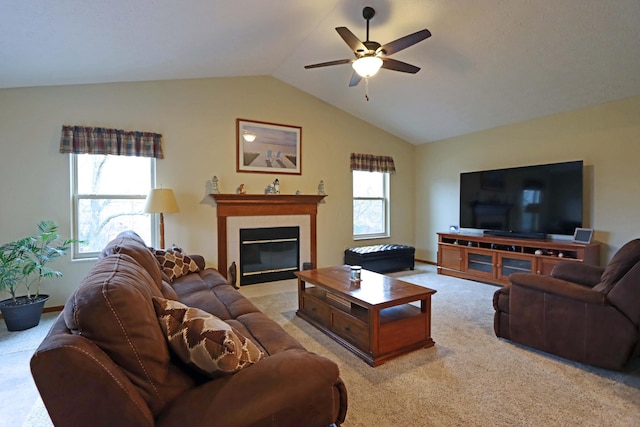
[106, 361]
[585, 313]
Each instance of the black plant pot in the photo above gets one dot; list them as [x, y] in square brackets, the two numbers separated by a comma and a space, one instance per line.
[23, 314]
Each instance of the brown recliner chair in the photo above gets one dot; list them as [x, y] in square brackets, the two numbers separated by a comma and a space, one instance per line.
[582, 312]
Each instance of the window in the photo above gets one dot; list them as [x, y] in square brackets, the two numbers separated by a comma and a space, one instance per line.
[370, 204]
[109, 194]
[531, 198]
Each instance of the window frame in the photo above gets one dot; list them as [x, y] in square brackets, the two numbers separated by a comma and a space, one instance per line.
[385, 199]
[76, 255]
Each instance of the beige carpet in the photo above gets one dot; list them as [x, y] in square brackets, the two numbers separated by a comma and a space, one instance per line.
[470, 378]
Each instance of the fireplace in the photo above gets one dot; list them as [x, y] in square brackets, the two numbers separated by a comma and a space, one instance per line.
[237, 211]
[268, 254]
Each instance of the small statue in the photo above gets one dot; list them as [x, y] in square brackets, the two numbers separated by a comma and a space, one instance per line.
[214, 186]
[233, 274]
[321, 191]
[276, 186]
[269, 189]
[321, 188]
[241, 189]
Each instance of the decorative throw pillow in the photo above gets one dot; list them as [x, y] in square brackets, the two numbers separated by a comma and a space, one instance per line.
[203, 341]
[174, 263]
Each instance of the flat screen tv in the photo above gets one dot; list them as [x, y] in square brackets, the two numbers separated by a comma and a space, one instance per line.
[528, 201]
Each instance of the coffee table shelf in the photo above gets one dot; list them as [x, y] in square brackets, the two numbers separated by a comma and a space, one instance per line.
[373, 318]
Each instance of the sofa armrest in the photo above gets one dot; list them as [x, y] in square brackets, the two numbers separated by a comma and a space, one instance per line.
[80, 385]
[199, 260]
[580, 273]
[292, 387]
[551, 285]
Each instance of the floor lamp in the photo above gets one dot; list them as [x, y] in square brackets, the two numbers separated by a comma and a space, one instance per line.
[161, 200]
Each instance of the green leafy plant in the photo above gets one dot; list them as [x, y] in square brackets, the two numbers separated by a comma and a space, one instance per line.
[23, 263]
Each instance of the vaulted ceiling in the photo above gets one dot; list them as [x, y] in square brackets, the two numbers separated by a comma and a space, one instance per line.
[487, 64]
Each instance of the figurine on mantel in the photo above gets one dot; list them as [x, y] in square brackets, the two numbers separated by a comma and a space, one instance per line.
[270, 189]
[321, 190]
[214, 189]
[276, 186]
[241, 189]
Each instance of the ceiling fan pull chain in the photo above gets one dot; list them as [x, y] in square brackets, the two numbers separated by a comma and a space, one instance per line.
[366, 88]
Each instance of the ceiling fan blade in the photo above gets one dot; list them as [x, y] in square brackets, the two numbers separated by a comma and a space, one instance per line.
[395, 65]
[404, 42]
[354, 43]
[326, 64]
[355, 79]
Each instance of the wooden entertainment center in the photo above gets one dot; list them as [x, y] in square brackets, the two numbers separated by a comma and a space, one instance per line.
[492, 259]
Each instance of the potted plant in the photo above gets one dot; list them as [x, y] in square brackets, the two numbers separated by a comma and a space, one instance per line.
[23, 264]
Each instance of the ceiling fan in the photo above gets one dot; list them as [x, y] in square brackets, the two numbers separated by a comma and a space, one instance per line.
[370, 56]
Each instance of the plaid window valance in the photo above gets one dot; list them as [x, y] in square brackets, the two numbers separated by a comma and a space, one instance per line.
[88, 140]
[372, 163]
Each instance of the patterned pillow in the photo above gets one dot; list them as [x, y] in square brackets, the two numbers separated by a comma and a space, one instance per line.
[203, 341]
[174, 263]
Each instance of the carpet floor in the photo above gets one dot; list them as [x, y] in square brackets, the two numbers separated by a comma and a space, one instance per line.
[469, 378]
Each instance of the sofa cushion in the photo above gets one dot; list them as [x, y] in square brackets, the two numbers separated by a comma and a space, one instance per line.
[168, 292]
[626, 257]
[129, 243]
[174, 263]
[113, 308]
[203, 341]
[208, 290]
[265, 332]
[626, 294]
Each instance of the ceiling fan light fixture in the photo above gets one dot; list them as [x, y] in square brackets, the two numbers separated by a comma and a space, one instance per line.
[370, 55]
[367, 66]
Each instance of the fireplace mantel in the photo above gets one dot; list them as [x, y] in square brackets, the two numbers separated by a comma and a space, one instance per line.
[230, 205]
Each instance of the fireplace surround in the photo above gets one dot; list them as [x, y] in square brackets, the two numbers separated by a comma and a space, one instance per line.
[266, 210]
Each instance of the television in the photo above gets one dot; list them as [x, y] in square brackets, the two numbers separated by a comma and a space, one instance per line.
[525, 202]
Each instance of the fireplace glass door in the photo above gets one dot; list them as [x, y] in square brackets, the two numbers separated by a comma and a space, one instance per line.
[269, 254]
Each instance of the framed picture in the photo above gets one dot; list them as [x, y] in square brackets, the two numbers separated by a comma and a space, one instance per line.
[583, 235]
[268, 147]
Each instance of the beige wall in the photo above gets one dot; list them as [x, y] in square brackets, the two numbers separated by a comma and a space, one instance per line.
[605, 137]
[197, 120]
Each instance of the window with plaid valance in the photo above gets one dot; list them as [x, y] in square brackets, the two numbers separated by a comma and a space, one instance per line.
[90, 140]
[372, 163]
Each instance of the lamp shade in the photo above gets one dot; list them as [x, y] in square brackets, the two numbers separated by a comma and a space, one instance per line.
[367, 66]
[161, 200]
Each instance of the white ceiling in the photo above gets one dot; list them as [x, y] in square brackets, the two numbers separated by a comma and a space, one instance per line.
[488, 63]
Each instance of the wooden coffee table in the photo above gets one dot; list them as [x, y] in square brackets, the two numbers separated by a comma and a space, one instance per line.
[372, 318]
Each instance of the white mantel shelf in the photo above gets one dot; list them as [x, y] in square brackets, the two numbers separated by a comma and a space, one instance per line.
[230, 205]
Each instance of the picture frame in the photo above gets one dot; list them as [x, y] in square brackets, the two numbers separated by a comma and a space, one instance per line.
[263, 147]
[582, 235]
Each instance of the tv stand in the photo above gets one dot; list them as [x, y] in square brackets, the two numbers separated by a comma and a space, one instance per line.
[515, 234]
[492, 259]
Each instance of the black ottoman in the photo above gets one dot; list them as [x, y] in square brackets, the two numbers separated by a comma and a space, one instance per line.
[381, 258]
